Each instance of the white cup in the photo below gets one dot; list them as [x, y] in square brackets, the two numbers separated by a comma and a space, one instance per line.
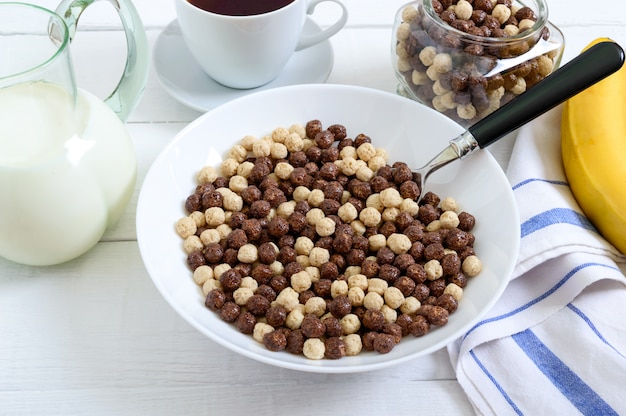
[250, 51]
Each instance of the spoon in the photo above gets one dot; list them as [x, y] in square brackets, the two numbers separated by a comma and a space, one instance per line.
[591, 66]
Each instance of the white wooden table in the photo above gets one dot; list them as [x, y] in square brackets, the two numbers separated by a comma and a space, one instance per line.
[93, 336]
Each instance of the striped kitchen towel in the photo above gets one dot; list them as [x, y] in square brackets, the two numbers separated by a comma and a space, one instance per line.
[555, 342]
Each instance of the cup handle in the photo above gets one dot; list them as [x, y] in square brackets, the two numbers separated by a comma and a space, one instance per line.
[128, 91]
[310, 40]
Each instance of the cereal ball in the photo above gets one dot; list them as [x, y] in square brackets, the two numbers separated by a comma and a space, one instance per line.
[399, 243]
[260, 329]
[294, 143]
[338, 288]
[410, 305]
[192, 243]
[208, 174]
[248, 253]
[325, 227]
[202, 274]
[376, 242]
[318, 256]
[275, 340]
[303, 245]
[358, 280]
[314, 349]
[373, 301]
[449, 219]
[366, 151]
[472, 266]
[353, 343]
[370, 217]
[198, 218]
[501, 12]
[249, 282]
[238, 153]
[356, 296]
[241, 295]
[316, 306]
[288, 298]
[350, 324]
[377, 285]
[301, 281]
[294, 319]
[261, 148]
[427, 55]
[433, 269]
[209, 285]
[449, 204]
[347, 212]
[463, 10]
[186, 227]
[393, 297]
[215, 216]
[390, 198]
[316, 197]
[229, 167]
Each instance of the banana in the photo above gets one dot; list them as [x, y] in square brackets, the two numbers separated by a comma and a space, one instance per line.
[593, 146]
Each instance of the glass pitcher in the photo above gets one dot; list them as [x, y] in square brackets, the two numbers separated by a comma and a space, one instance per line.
[67, 166]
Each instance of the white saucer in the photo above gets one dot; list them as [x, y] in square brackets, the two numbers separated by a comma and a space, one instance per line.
[183, 78]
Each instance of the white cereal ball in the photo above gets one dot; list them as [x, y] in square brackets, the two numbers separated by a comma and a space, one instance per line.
[390, 198]
[247, 142]
[249, 282]
[354, 345]
[455, 290]
[501, 12]
[288, 299]
[315, 305]
[209, 285]
[442, 62]
[409, 13]
[399, 243]
[433, 74]
[390, 314]
[242, 294]
[373, 301]
[525, 24]
[298, 129]
[410, 305]
[316, 197]
[294, 143]
[303, 245]
[303, 260]
[419, 77]
[347, 212]
[260, 329]
[314, 216]
[338, 287]
[237, 183]
[215, 216]
[410, 206]
[393, 297]
[356, 296]
[370, 217]
[390, 214]
[224, 230]
[377, 285]
[358, 280]
[238, 152]
[294, 319]
[433, 269]
[318, 256]
[545, 65]
[229, 167]
[248, 253]
[449, 204]
[350, 324]
[374, 201]
[301, 281]
[210, 235]
[283, 170]
[186, 227]
[202, 273]
[232, 202]
[427, 55]
[244, 169]
[366, 151]
[365, 173]
[192, 243]
[198, 218]
[208, 174]
[467, 111]
[279, 134]
[349, 166]
[519, 87]
[433, 225]
[449, 219]
[376, 242]
[358, 227]
[220, 269]
[463, 10]
[471, 266]
[285, 209]
[261, 148]
[301, 193]
[376, 163]
[278, 151]
[314, 272]
[325, 227]
[314, 349]
[348, 151]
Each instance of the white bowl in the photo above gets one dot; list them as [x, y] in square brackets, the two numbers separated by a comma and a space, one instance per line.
[409, 131]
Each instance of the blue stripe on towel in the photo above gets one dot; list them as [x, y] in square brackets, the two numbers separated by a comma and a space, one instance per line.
[538, 298]
[495, 383]
[531, 180]
[573, 387]
[555, 216]
[593, 328]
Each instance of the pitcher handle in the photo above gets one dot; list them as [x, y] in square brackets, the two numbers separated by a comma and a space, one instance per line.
[128, 91]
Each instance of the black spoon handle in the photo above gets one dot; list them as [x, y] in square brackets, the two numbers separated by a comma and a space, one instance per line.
[596, 63]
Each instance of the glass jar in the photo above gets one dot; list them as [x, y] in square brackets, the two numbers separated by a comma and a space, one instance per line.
[466, 58]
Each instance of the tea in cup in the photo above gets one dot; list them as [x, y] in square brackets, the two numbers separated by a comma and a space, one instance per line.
[246, 43]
